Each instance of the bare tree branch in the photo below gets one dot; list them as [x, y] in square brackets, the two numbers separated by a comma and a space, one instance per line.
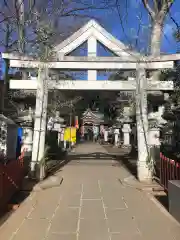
[156, 6]
[174, 21]
[149, 9]
[121, 21]
[166, 5]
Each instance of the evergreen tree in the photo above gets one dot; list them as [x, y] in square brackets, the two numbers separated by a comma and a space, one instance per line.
[170, 131]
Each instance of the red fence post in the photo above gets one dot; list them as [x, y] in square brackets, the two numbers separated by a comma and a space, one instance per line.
[11, 176]
[169, 170]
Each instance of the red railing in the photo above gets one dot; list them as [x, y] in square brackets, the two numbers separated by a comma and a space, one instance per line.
[169, 170]
[11, 176]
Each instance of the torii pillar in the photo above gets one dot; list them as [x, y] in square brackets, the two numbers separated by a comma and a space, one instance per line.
[40, 118]
[144, 171]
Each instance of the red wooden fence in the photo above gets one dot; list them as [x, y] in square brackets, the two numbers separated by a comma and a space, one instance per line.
[11, 176]
[169, 170]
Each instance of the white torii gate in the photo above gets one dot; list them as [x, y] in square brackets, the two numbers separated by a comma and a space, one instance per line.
[126, 59]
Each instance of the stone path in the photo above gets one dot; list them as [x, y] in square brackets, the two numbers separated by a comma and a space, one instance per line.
[91, 204]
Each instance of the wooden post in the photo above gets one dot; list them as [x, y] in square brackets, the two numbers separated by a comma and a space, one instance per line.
[92, 52]
[144, 173]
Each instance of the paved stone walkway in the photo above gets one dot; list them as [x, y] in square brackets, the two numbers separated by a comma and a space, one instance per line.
[91, 204]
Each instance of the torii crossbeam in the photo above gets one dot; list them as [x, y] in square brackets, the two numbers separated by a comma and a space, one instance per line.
[100, 85]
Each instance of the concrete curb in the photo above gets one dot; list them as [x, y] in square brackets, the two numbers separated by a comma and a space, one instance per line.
[147, 189]
[162, 209]
[13, 214]
[131, 181]
[53, 181]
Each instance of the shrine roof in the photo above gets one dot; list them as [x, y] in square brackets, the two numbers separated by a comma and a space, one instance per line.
[92, 116]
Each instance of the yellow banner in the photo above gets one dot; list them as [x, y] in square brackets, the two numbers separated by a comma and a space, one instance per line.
[70, 134]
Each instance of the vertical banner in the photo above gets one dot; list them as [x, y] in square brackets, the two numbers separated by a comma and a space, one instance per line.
[70, 134]
[101, 129]
[2, 86]
[3, 69]
[82, 131]
[76, 122]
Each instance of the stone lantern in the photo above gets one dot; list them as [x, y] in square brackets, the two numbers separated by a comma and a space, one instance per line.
[25, 119]
[55, 134]
[58, 121]
[125, 113]
[156, 122]
[126, 129]
[8, 138]
[171, 132]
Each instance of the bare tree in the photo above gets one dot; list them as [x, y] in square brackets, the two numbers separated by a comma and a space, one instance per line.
[21, 19]
[158, 10]
[12, 27]
[6, 42]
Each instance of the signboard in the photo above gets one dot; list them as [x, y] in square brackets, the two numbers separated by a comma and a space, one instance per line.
[76, 122]
[70, 134]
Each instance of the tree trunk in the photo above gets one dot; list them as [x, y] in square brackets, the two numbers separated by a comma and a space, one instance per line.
[155, 45]
[21, 33]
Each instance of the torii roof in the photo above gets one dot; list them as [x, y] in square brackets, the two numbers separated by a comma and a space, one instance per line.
[93, 28]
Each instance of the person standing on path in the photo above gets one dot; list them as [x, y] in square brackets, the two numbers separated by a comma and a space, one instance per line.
[116, 137]
[102, 133]
[95, 133]
[106, 135]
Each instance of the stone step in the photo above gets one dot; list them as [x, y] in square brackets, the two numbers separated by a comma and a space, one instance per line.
[92, 162]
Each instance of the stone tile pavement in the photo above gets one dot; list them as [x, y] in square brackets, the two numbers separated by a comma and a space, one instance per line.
[91, 204]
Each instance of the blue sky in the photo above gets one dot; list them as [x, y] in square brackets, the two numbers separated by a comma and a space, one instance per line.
[169, 44]
[131, 20]
[127, 32]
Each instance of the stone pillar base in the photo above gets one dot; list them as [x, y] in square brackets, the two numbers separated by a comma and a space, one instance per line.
[37, 171]
[144, 174]
[154, 153]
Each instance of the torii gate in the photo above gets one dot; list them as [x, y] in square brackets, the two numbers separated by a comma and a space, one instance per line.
[126, 59]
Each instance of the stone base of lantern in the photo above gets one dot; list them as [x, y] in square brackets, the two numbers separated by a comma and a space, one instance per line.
[126, 146]
[37, 172]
